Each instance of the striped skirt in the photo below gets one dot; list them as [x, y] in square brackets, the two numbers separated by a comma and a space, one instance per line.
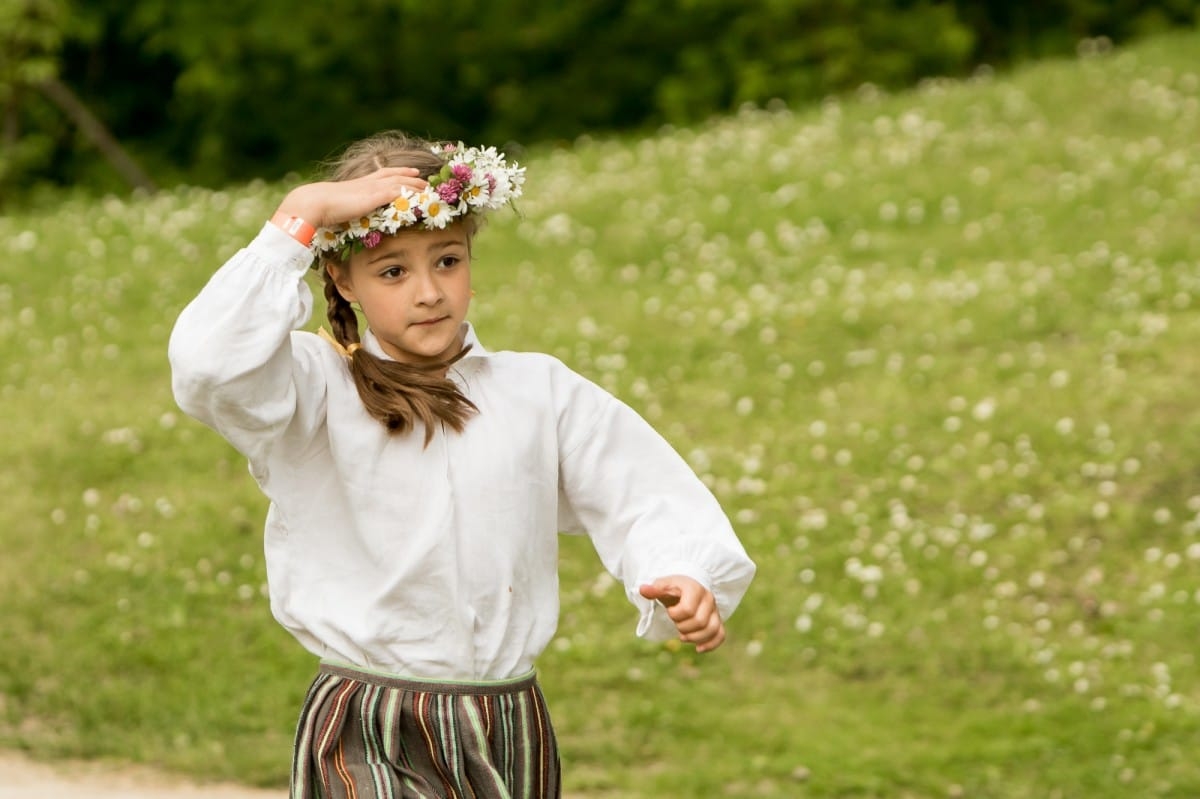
[363, 735]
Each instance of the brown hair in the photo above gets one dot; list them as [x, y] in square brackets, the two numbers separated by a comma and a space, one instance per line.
[395, 393]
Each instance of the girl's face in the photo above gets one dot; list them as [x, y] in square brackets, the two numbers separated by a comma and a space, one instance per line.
[414, 289]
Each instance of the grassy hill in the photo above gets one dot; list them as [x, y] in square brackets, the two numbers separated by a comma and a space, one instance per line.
[935, 353]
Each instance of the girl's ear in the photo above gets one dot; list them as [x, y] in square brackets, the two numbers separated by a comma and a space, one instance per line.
[340, 275]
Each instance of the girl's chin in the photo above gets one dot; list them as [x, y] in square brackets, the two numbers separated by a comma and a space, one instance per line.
[422, 355]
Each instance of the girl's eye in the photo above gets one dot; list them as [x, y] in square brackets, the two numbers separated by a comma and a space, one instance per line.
[448, 261]
[392, 271]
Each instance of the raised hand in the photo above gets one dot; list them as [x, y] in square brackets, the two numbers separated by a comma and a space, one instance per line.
[692, 607]
[328, 203]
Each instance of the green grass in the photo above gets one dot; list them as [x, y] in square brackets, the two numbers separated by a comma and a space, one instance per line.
[935, 353]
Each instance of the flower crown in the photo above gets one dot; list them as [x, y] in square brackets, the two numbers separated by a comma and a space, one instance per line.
[472, 181]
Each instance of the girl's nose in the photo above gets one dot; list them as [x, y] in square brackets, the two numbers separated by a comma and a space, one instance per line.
[428, 290]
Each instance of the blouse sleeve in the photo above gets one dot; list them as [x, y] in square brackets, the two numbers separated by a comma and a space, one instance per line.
[647, 514]
[236, 365]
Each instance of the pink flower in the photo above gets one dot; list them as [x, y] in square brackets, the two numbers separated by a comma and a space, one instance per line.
[449, 191]
[461, 172]
[372, 239]
[491, 179]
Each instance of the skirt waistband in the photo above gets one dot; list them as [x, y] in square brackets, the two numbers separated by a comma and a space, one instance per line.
[454, 687]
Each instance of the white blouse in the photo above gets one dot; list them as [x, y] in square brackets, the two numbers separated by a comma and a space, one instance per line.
[441, 561]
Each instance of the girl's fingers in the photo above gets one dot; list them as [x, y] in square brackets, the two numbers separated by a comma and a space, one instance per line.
[389, 180]
[692, 624]
[714, 642]
[394, 177]
[663, 592]
[333, 202]
[692, 608]
[700, 630]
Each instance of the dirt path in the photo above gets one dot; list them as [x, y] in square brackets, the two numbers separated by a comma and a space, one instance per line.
[22, 778]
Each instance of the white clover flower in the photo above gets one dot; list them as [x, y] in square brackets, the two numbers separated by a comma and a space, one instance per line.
[984, 409]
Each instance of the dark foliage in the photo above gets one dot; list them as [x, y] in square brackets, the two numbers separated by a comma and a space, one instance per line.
[212, 92]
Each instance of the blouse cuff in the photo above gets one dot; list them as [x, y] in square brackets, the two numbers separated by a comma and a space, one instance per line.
[655, 624]
[276, 245]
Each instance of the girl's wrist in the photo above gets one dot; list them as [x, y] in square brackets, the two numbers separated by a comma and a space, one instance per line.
[295, 226]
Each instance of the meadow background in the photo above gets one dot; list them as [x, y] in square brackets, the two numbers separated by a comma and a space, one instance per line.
[933, 350]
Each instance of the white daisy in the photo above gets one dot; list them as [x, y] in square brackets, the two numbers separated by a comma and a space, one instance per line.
[400, 212]
[327, 239]
[358, 228]
[478, 192]
[435, 212]
[508, 185]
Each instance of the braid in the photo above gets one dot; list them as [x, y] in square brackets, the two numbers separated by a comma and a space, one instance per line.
[340, 314]
[397, 394]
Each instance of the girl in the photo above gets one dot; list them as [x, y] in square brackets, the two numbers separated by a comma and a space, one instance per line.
[417, 481]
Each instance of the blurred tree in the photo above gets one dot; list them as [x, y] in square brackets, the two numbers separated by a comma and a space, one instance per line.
[1008, 31]
[30, 38]
[806, 49]
[31, 34]
[211, 92]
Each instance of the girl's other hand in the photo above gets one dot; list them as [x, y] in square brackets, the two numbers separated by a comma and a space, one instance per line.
[329, 203]
[692, 607]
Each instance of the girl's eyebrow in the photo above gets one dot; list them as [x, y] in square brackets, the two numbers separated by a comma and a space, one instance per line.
[384, 255]
[443, 244]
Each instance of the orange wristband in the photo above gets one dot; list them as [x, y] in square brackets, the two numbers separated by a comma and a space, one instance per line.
[295, 227]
